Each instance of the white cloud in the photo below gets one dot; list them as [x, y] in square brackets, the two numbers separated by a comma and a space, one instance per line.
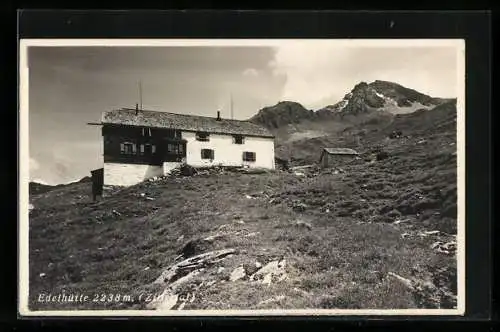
[325, 72]
[34, 165]
[65, 161]
[250, 72]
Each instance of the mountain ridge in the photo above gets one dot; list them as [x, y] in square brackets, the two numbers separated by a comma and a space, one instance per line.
[38, 187]
[364, 98]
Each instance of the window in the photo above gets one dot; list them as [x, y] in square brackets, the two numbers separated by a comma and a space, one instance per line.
[237, 139]
[146, 132]
[147, 149]
[203, 137]
[175, 148]
[127, 148]
[207, 154]
[248, 156]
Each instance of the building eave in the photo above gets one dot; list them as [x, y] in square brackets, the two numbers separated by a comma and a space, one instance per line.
[181, 129]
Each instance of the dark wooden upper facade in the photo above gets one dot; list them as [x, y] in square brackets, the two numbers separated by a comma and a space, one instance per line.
[142, 145]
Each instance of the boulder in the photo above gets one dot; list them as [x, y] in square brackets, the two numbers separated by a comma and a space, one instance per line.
[186, 170]
[299, 207]
[382, 155]
[303, 224]
[237, 274]
[396, 134]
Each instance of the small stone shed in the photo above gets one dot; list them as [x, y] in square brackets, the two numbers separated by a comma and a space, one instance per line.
[331, 157]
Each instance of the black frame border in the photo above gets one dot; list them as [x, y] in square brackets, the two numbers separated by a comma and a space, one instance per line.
[473, 26]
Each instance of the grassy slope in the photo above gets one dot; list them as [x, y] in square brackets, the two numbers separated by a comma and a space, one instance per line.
[341, 262]
[352, 132]
[372, 130]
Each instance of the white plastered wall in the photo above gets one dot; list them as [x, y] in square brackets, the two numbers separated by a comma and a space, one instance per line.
[227, 153]
[118, 174]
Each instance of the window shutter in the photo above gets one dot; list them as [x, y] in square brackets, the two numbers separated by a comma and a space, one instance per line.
[202, 136]
[248, 156]
[207, 154]
[238, 139]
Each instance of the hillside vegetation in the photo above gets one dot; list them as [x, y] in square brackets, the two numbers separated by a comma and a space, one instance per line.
[368, 108]
[376, 233]
[371, 130]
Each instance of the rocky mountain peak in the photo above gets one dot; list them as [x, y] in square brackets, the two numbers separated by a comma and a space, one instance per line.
[382, 95]
[364, 98]
[281, 114]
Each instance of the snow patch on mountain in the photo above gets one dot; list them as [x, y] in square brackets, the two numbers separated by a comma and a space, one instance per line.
[391, 105]
[342, 104]
[415, 106]
[389, 102]
[306, 135]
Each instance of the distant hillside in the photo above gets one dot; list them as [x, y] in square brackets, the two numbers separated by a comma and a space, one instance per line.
[441, 120]
[36, 188]
[367, 104]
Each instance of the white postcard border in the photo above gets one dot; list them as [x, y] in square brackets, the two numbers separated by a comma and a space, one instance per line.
[23, 162]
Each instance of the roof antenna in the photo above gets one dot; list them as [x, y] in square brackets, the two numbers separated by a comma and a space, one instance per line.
[231, 105]
[140, 95]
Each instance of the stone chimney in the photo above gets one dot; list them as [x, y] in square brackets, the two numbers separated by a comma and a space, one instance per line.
[218, 116]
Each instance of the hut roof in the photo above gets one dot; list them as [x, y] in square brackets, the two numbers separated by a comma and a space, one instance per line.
[340, 151]
[186, 122]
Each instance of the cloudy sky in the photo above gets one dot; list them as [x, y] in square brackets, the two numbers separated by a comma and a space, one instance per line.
[70, 86]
